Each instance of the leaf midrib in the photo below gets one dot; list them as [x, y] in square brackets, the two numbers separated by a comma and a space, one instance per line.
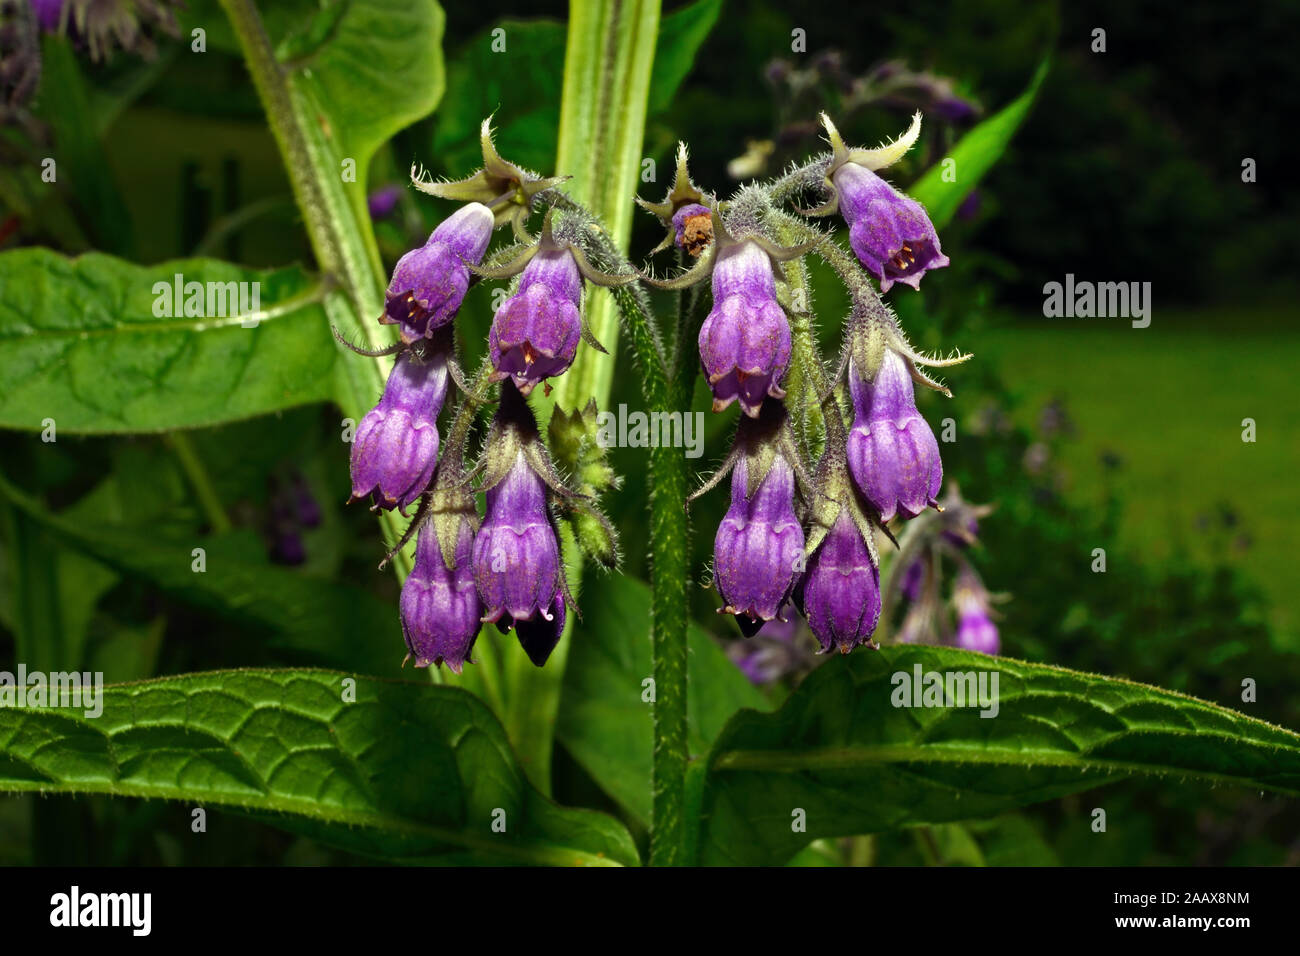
[856, 757]
[530, 852]
[302, 300]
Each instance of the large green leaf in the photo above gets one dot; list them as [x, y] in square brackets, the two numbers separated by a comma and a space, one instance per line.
[604, 722]
[842, 752]
[316, 621]
[82, 345]
[973, 156]
[389, 769]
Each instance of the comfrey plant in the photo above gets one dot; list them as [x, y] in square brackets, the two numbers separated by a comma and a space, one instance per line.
[490, 478]
[810, 484]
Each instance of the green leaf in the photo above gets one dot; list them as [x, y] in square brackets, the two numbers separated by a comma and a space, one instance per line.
[681, 34]
[603, 721]
[315, 620]
[82, 345]
[361, 72]
[841, 751]
[522, 86]
[973, 156]
[387, 769]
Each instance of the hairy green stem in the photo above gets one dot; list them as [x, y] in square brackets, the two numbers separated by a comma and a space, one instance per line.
[669, 570]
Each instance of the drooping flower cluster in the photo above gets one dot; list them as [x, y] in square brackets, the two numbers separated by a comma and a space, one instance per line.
[504, 568]
[819, 468]
[883, 465]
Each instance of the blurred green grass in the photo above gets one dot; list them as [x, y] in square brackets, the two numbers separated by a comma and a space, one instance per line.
[1169, 401]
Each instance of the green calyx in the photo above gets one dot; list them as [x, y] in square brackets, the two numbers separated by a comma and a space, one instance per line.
[508, 190]
[683, 193]
[872, 159]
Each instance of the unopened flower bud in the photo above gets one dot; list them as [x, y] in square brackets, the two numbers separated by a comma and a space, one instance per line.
[840, 591]
[745, 340]
[395, 447]
[429, 283]
[440, 606]
[536, 331]
[693, 228]
[892, 453]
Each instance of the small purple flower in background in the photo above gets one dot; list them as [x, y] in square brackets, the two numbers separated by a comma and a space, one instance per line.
[102, 25]
[892, 453]
[970, 206]
[517, 562]
[963, 535]
[745, 341]
[429, 283]
[759, 545]
[440, 605]
[975, 628]
[293, 510]
[889, 232]
[840, 590]
[306, 508]
[395, 447]
[535, 333]
[48, 13]
[913, 579]
[288, 547]
[383, 201]
[915, 628]
[955, 109]
[1055, 419]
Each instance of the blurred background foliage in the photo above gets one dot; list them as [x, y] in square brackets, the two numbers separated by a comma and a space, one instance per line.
[1085, 433]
